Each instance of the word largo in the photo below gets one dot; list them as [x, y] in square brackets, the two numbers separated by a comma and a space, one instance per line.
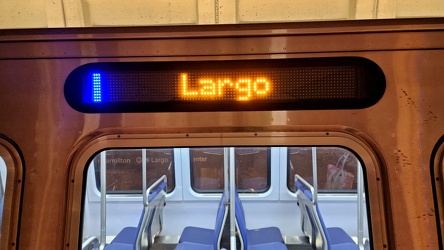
[213, 88]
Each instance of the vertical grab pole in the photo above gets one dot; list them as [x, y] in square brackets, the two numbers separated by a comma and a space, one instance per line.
[144, 194]
[315, 174]
[360, 207]
[226, 176]
[102, 200]
[232, 201]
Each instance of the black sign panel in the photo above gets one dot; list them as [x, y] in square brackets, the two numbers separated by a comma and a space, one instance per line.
[272, 84]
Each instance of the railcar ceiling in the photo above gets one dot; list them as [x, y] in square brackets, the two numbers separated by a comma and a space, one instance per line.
[90, 13]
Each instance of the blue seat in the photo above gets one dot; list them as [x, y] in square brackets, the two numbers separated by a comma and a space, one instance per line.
[193, 246]
[119, 246]
[197, 235]
[268, 246]
[256, 239]
[202, 236]
[128, 235]
[306, 225]
[141, 237]
[313, 225]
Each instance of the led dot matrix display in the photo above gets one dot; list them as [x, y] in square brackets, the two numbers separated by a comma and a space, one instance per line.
[284, 84]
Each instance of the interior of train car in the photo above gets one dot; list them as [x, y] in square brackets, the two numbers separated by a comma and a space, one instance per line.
[193, 182]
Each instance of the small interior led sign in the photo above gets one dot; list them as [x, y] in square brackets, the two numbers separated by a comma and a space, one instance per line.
[272, 84]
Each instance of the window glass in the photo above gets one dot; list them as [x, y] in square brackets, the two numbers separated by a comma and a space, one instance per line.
[207, 165]
[252, 169]
[124, 169]
[336, 168]
[107, 218]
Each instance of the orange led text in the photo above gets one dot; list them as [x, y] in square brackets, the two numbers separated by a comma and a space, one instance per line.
[245, 88]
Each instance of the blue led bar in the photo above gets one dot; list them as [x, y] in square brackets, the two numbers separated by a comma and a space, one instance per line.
[97, 88]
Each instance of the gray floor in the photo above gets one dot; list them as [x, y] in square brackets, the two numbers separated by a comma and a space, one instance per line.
[163, 246]
[299, 247]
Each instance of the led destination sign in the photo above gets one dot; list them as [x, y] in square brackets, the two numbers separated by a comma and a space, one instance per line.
[242, 89]
[285, 84]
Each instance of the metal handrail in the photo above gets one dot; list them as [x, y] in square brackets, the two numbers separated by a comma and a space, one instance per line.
[102, 200]
[360, 192]
[232, 199]
[91, 243]
[155, 184]
[144, 196]
[314, 188]
[308, 185]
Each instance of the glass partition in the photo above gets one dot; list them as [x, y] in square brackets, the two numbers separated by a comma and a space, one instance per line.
[337, 168]
[252, 164]
[170, 207]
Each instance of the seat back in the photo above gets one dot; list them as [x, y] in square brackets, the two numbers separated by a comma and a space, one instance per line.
[221, 217]
[142, 237]
[154, 205]
[241, 223]
[320, 236]
[312, 222]
[305, 219]
[156, 222]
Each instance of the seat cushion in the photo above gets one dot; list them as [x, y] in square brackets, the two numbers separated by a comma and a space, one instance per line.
[197, 235]
[337, 235]
[119, 246]
[345, 246]
[268, 246]
[193, 246]
[264, 235]
[128, 235]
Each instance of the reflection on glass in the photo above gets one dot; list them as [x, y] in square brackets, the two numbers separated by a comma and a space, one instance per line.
[124, 169]
[336, 168]
[252, 169]
[197, 177]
